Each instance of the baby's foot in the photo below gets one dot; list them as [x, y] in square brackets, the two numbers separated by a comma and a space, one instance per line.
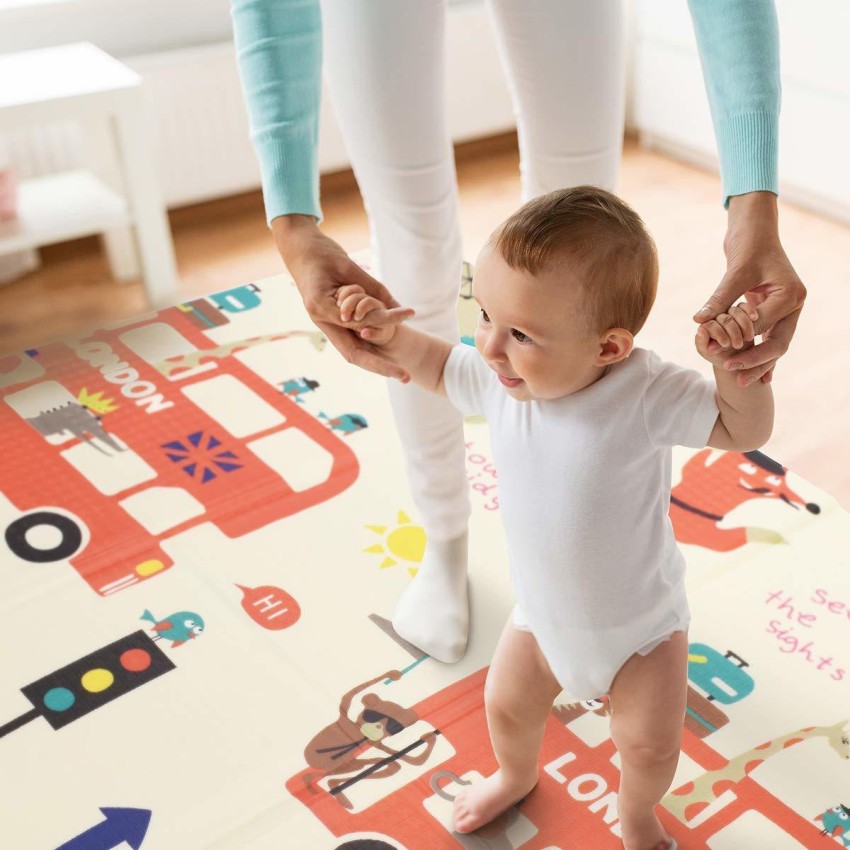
[643, 831]
[484, 801]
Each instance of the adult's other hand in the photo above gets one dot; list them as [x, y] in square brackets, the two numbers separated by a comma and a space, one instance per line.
[759, 270]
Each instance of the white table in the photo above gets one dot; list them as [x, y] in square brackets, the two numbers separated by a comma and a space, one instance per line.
[117, 196]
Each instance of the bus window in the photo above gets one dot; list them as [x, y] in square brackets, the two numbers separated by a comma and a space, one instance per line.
[298, 460]
[18, 368]
[109, 471]
[159, 508]
[156, 342]
[239, 409]
[753, 829]
[35, 404]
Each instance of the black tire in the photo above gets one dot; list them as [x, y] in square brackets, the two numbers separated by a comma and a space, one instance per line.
[16, 537]
[365, 844]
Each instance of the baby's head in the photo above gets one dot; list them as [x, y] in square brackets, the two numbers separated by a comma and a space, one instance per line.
[564, 285]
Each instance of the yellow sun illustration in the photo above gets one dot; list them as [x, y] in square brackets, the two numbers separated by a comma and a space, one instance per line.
[406, 542]
[96, 402]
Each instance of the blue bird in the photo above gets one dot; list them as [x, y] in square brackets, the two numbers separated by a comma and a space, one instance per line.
[347, 423]
[179, 627]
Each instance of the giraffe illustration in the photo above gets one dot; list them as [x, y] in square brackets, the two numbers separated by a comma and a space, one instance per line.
[172, 366]
[688, 800]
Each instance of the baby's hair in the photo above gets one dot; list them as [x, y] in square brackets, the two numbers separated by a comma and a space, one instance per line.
[602, 236]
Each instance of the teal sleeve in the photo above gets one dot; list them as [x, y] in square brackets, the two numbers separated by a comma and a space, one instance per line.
[739, 50]
[279, 57]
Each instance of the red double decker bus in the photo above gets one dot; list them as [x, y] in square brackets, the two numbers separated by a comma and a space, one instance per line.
[573, 807]
[123, 439]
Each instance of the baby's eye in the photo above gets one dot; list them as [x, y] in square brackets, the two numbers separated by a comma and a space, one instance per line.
[520, 337]
[484, 316]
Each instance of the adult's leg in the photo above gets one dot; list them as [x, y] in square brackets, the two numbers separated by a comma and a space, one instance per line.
[384, 65]
[518, 696]
[648, 699]
[565, 62]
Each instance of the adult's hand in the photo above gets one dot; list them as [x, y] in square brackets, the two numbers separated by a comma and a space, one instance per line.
[759, 270]
[320, 267]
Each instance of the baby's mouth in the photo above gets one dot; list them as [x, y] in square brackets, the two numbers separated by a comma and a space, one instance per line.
[510, 382]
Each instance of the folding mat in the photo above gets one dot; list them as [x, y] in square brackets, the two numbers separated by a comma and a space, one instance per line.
[207, 524]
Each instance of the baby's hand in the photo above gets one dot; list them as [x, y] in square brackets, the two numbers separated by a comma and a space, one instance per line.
[717, 340]
[354, 307]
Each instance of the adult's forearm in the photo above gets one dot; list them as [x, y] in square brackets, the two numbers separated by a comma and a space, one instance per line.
[279, 57]
[758, 208]
[739, 49]
[293, 235]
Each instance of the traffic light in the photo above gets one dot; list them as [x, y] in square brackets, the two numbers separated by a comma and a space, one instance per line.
[92, 681]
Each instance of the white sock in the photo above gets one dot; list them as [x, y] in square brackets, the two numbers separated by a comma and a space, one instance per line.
[433, 612]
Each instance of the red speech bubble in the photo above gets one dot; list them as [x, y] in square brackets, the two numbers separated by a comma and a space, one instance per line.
[270, 607]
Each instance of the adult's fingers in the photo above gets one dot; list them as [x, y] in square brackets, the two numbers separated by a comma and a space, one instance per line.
[775, 343]
[777, 291]
[722, 298]
[777, 307]
[372, 286]
[361, 353]
[763, 372]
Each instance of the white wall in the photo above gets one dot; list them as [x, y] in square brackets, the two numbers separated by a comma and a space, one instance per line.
[670, 108]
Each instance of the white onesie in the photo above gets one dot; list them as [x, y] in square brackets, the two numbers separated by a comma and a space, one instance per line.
[584, 491]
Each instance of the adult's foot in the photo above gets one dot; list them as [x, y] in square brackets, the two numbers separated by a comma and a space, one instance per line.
[433, 611]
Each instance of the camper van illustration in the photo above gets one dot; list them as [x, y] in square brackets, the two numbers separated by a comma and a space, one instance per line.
[120, 440]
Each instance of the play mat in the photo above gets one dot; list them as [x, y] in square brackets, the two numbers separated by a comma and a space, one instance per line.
[206, 526]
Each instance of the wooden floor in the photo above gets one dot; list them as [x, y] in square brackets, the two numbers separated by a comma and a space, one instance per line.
[225, 243]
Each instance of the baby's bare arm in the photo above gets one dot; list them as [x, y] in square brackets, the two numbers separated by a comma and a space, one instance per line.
[422, 354]
[746, 412]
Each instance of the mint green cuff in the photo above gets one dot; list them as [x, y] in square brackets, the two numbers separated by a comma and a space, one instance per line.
[290, 176]
[748, 145]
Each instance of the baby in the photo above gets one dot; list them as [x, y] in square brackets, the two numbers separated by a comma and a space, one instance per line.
[582, 424]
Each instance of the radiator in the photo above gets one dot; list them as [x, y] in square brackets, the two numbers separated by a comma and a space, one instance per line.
[198, 123]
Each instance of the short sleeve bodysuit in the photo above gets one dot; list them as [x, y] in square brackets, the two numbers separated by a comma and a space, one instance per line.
[584, 492]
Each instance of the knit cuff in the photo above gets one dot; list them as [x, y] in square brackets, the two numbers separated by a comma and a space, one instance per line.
[748, 147]
[290, 175]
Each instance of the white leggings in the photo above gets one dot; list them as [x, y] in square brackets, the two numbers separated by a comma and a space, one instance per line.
[384, 63]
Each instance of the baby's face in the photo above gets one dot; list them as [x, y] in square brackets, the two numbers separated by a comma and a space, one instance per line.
[531, 332]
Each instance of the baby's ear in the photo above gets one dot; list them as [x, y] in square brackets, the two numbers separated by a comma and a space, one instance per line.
[616, 345]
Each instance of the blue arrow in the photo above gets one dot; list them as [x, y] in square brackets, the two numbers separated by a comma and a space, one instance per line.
[121, 825]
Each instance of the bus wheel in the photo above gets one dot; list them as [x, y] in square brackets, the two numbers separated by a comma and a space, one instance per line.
[70, 542]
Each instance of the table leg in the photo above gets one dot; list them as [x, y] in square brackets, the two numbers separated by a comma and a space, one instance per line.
[119, 243]
[152, 228]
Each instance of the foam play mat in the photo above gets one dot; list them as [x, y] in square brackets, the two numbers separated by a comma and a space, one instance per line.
[206, 526]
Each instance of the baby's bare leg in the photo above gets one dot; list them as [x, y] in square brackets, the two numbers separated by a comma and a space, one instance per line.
[648, 698]
[518, 695]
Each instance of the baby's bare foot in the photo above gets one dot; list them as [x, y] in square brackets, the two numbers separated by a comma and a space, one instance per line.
[642, 831]
[484, 801]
